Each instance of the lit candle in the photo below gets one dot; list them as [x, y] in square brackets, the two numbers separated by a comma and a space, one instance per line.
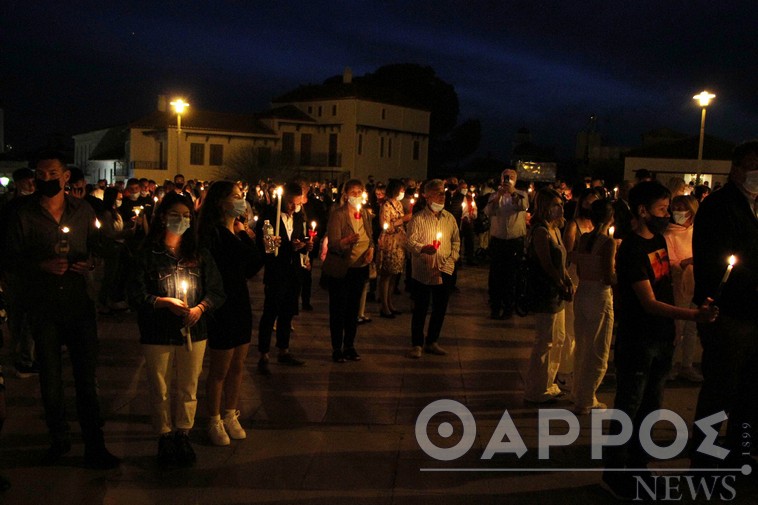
[312, 231]
[611, 231]
[155, 199]
[415, 195]
[732, 260]
[413, 200]
[185, 289]
[278, 215]
[386, 226]
[137, 210]
[255, 218]
[436, 243]
[364, 196]
[97, 223]
[615, 192]
[63, 247]
[357, 212]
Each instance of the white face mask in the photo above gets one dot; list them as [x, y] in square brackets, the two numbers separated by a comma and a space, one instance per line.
[680, 216]
[133, 196]
[239, 208]
[298, 207]
[464, 191]
[436, 207]
[118, 203]
[177, 225]
[355, 201]
[751, 182]
[400, 197]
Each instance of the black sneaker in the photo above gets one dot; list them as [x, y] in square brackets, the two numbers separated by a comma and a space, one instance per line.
[167, 453]
[100, 459]
[25, 371]
[185, 454]
[58, 448]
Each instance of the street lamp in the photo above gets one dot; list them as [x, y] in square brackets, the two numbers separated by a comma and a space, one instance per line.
[704, 98]
[179, 105]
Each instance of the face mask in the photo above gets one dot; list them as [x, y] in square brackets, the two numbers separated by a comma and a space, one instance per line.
[143, 194]
[178, 225]
[436, 207]
[298, 207]
[751, 182]
[355, 201]
[25, 193]
[681, 216]
[118, 203]
[400, 197]
[239, 209]
[464, 191]
[49, 188]
[657, 224]
[133, 196]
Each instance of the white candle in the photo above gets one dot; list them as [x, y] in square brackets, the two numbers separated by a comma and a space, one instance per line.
[187, 336]
[137, 211]
[278, 215]
[731, 261]
[611, 231]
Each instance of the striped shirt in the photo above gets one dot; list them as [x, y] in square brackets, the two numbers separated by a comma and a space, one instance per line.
[422, 231]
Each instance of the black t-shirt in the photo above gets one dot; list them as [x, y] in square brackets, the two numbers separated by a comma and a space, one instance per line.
[642, 259]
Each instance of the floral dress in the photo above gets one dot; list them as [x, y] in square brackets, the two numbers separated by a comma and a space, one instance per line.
[392, 240]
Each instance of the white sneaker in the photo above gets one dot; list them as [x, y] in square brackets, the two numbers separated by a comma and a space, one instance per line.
[217, 433]
[233, 426]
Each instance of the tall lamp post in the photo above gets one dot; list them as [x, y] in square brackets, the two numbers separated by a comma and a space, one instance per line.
[179, 105]
[704, 98]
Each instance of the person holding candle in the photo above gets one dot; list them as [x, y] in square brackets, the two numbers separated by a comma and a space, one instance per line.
[350, 249]
[282, 276]
[727, 225]
[169, 257]
[230, 328]
[113, 235]
[646, 332]
[434, 245]
[678, 237]
[55, 290]
[391, 246]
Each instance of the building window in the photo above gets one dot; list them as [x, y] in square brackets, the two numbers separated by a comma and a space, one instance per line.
[306, 139]
[334, 110]
[389, 148]
[217, 155]
[310, 109]
[360, 144]
[264, 156]
[333, 156]
[320, 109]
[288, 147]
[197, 154]
[381, 147]
[416, 149]
[384, 113]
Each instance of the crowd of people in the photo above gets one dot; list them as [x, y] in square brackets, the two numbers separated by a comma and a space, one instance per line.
[643, 262]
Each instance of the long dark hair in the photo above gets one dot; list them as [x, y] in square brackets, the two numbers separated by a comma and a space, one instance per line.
[110, 195]
[601, 212]
[154, 239]
[211, 213]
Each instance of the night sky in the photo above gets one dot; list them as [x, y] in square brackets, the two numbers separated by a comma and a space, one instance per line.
[70, 67]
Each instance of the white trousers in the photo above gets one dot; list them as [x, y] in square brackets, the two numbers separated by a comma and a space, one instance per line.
[569, 345]
[593, 322]
[172, 377]
[550, 332]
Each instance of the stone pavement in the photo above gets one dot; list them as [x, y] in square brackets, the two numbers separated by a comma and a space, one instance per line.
[327, 433]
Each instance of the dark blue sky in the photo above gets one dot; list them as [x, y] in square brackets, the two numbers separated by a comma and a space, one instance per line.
[69, 67]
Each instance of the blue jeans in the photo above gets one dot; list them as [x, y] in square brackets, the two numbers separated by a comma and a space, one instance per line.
[78, 332]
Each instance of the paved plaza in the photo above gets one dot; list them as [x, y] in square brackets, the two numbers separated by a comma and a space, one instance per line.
[327, 433]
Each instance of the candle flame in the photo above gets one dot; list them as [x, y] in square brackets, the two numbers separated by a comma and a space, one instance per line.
[413, 201]
[439, 235]
[97, 223]
[65, 229]
[255, 218]
[184, 286]
[732, 260]
[358, 207]
[279, 191]
[155, 199]
[386, 226]
[313, 224]
[611, 230]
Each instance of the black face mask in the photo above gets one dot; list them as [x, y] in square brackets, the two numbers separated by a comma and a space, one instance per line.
[49, 188]
[657, 224]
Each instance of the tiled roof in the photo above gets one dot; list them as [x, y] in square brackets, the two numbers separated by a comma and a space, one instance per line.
[286, 112]
[205, 120]
[339, 90]
[113, 144]
[714, 148]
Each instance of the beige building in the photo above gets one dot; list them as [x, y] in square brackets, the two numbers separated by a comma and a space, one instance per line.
[337, 130]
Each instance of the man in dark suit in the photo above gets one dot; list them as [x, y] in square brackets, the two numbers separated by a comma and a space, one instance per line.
[726, 225]
[282, 276]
